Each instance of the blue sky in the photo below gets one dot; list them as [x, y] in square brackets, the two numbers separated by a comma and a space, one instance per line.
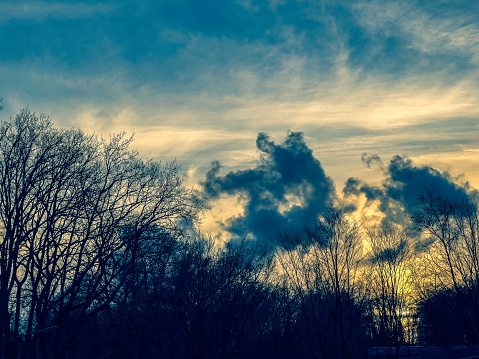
[198, 80]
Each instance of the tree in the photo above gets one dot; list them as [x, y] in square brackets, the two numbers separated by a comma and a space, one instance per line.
[451, 257]
[323, 269]
[389, 307]
[73, 213]
[220, 298]
[438, 322]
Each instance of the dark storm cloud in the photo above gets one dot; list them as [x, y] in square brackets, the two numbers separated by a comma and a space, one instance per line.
[355, 186]
[284, 192]
[407, 182]
[404, 184]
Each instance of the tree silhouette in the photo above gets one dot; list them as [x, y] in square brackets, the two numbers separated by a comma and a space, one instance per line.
[323, 269]
[73, 211]
[389, 264]
[450, 260]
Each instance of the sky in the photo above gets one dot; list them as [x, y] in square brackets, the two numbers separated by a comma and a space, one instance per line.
[276, 108]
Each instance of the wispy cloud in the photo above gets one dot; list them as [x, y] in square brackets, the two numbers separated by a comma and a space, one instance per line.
[430, 32]
[40, 10]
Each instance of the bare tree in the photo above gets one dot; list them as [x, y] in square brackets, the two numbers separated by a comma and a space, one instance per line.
[323, 268]
[450, 260]
[389, 261]
[220, 297]
[73, 210]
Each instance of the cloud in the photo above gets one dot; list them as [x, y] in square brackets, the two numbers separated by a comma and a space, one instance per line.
[398, 196]
[285, 191]
[432, 30]
[40, 10]
[457, 163]
[392, 253]
[373, 159]
[416, 37]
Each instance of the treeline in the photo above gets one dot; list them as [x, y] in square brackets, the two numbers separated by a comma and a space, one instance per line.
[99, 259]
